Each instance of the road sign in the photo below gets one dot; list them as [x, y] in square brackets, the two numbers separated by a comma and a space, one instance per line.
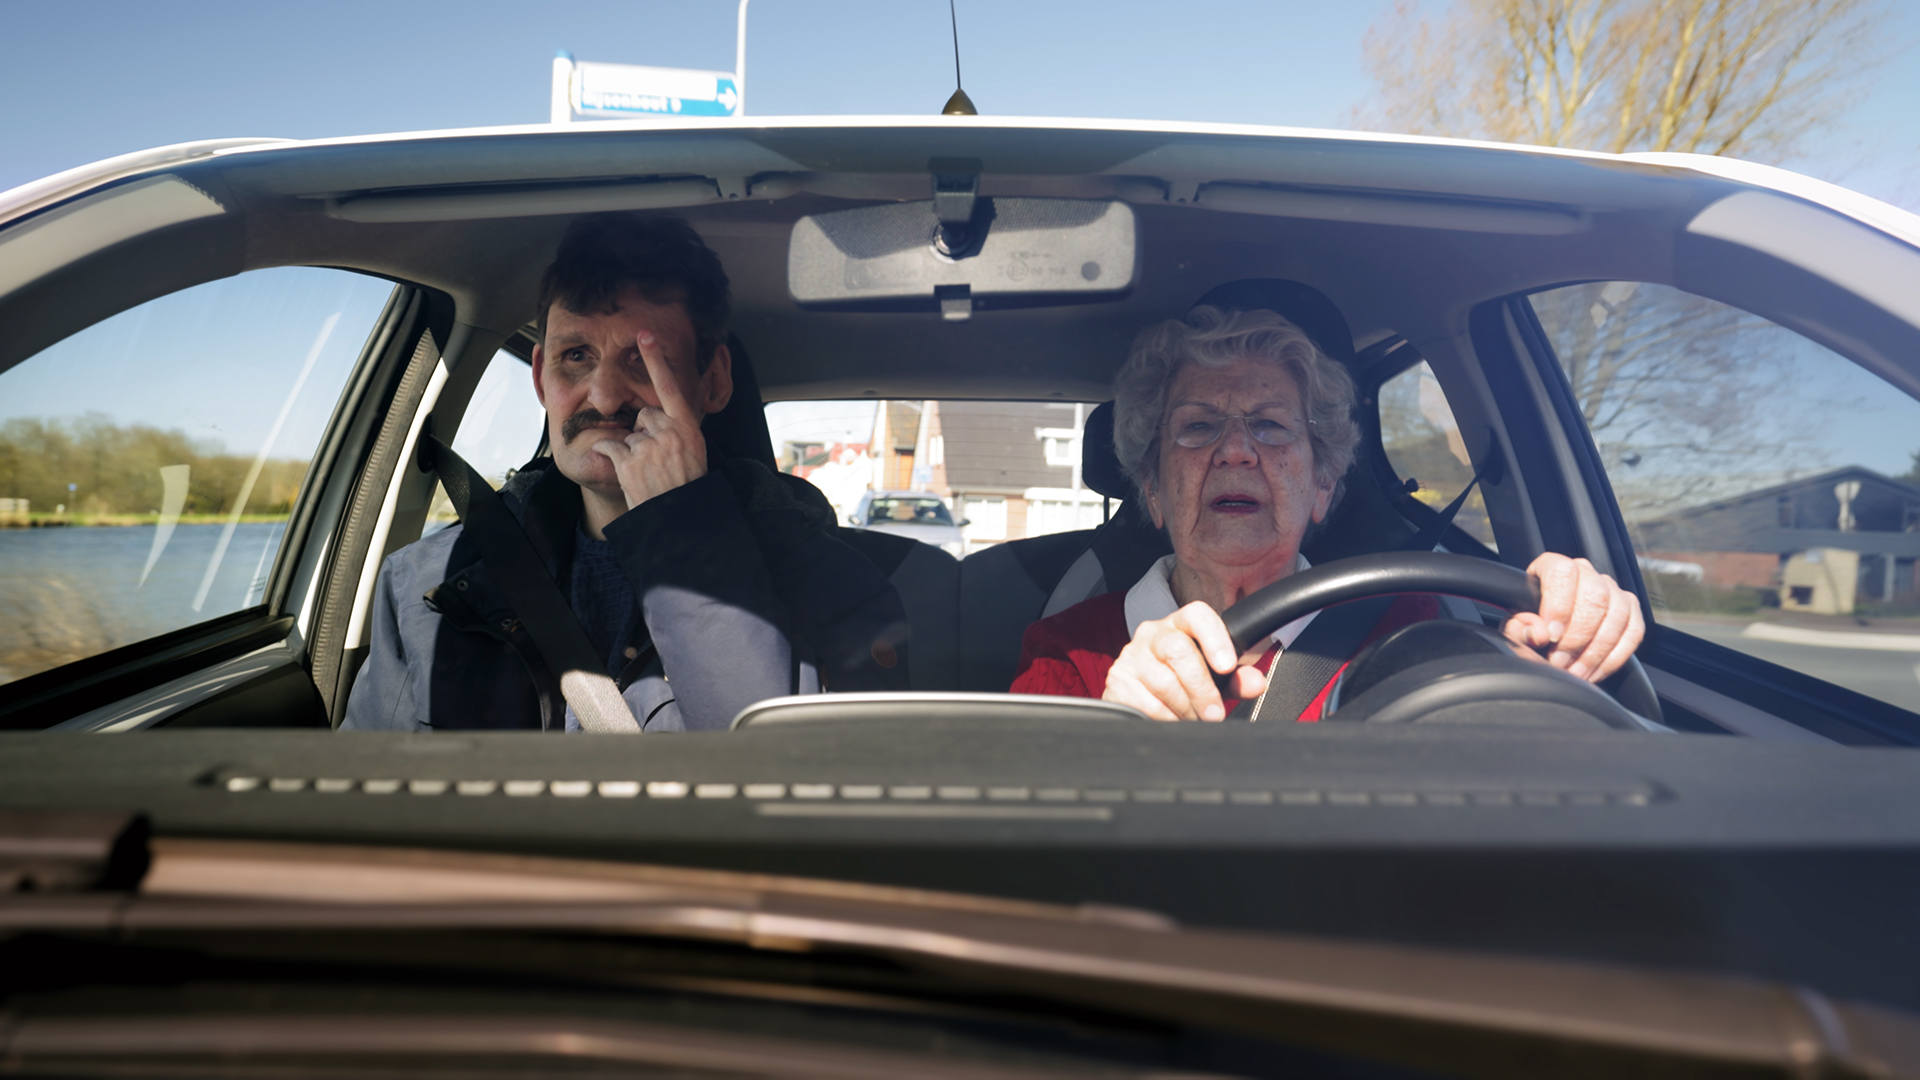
[595, 91]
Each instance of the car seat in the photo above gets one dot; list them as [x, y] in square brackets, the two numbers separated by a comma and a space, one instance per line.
[1005, 588]
[926, 577]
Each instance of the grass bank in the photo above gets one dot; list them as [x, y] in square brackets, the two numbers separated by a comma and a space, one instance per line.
[57, 521]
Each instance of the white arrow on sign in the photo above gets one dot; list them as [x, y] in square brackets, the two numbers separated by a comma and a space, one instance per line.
[624, 90]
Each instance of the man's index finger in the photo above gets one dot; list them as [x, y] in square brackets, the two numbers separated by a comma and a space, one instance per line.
[660, 373]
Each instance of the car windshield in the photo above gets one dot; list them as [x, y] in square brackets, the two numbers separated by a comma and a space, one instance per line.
[987, 477]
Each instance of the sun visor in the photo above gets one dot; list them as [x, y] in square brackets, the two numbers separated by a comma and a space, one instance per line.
[479, 202]
[65, 235]
[1000, 252]
[1407, 211]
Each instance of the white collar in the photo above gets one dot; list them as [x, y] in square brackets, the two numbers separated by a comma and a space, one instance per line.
[1152, 598]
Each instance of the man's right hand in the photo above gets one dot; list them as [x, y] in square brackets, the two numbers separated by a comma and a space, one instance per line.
[1167, 670]
[666, 449]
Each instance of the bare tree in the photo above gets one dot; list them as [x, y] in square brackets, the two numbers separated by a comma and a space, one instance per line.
[1746, 78]
[1686, 398]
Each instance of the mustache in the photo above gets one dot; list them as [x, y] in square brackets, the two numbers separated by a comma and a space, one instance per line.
[587, 418]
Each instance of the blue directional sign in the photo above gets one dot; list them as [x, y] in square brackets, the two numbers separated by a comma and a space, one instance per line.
[626, 91]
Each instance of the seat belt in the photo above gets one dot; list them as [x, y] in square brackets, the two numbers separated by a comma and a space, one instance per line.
[1426, 538]
[536, 598]
[1305, 667]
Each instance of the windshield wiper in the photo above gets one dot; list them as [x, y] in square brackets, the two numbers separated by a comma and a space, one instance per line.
[1466, 1013]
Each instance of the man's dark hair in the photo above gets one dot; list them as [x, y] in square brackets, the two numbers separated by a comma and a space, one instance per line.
[661, 256]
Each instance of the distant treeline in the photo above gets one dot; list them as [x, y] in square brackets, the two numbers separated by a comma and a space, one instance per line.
[116, 469]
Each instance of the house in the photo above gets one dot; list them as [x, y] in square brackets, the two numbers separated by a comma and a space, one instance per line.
[1011, 469]
[1828, 542]
[843, 471]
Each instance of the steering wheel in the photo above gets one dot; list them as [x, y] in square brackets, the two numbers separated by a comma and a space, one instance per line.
[1439, 679]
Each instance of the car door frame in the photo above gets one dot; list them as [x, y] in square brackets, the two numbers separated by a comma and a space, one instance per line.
[276, 663]
[1509, 337]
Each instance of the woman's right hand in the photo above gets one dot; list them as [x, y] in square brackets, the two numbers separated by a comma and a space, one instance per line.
[1167, 670]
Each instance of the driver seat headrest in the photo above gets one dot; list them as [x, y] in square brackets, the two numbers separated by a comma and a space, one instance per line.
[1302, 305]
[1298, 303]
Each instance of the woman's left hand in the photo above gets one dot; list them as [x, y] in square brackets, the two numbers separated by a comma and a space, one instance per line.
[1592, 624]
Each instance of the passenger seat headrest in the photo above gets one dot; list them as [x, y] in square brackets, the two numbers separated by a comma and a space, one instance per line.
[740, 429]
[1099, 465]
[1302, 305]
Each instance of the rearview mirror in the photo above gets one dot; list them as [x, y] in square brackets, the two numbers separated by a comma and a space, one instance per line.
[1018, 252]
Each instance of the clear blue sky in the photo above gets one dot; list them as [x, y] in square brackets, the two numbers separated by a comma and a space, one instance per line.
[86, 81]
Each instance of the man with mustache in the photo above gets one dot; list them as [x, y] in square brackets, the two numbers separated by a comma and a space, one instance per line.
[708, 582]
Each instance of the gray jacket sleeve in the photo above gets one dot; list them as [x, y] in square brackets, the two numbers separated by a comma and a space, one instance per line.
[383, 698]
[709, 603]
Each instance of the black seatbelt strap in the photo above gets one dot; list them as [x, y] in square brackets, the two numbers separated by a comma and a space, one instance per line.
[536, 598]
[1426, 538]
[1305, 667]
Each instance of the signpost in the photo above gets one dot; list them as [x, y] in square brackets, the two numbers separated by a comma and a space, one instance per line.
[584, 90]
[593, 91]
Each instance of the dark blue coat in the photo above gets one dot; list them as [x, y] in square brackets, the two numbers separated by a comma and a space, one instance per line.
[743, 590]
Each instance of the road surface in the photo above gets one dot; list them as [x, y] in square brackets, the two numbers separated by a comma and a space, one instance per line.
[1890, 675]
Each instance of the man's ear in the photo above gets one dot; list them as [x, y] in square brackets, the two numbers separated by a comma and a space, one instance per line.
[539, 385]
[716, 383]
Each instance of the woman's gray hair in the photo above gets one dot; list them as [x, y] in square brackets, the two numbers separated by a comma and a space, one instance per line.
[1211, 337]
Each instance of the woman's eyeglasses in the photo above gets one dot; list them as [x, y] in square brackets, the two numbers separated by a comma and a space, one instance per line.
[1197, 432]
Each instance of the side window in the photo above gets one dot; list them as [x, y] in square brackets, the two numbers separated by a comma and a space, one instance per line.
[1423, 445]
[148, 464]
[1770, 486]
[499, 432]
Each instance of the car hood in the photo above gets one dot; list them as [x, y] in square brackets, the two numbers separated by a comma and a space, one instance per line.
[1473, 1014]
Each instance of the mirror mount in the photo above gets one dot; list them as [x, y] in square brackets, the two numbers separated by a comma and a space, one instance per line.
[956, 198]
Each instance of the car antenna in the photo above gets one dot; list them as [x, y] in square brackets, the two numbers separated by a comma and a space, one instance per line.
[959, 104]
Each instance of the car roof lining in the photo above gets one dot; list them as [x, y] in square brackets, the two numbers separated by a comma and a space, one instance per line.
[1386, 278]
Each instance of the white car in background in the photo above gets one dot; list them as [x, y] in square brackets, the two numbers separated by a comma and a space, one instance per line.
[916, 515]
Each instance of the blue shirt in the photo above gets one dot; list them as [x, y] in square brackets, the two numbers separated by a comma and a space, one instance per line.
[603, 600]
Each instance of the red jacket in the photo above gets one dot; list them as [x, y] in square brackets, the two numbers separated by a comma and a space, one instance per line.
[1069, 653]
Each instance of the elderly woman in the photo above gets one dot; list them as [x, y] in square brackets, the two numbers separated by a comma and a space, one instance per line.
[1236, 431]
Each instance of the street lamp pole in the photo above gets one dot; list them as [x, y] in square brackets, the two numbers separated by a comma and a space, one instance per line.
[740, 62]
